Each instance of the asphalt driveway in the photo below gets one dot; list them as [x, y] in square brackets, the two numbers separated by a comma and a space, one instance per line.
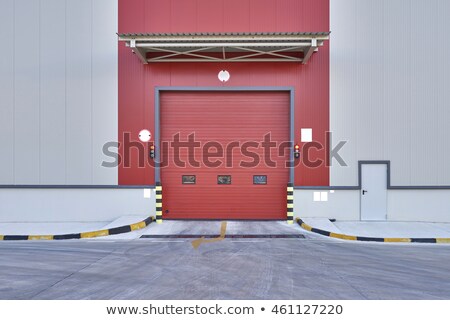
[313, 267]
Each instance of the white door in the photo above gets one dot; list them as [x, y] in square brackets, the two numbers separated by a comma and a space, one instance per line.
[373, 192]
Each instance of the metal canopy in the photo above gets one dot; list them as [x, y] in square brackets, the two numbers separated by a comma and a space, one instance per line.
[224, 47]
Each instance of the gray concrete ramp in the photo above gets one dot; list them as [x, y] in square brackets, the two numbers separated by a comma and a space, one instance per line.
[192, 227]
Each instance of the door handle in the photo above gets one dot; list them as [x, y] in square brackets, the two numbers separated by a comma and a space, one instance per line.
[364, 192]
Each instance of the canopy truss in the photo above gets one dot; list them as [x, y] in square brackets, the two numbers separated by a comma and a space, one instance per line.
[225, 47]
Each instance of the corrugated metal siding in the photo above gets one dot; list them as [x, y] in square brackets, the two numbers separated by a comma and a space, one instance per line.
[59, 91]
[104, 86]
[7, 93]
[171, 16]
[26, 92]
[224, 118]
[53, 93]
[430, 76]
[79, 92]
[388, 95]
[311, 82]
[397, 96]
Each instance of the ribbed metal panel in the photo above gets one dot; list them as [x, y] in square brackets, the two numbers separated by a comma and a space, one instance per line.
[79, 92]
[397, 98]
[182, 15]
[7, 93]
[225, 117]
[26, 92]
[311, 82]
[52, 93]
[131, 115]
[104, 87]
[58, 76]
[388, 88]
[430, 75]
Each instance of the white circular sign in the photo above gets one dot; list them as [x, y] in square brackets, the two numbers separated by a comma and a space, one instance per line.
[145, 135]
[224, 76]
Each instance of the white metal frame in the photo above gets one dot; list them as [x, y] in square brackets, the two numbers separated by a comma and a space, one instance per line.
[253, 47]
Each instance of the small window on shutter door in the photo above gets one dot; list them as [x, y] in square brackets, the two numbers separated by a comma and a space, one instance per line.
[223, 179]
[259, 179]
[188, 179]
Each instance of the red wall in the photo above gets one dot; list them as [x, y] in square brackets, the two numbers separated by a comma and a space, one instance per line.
[137, 81]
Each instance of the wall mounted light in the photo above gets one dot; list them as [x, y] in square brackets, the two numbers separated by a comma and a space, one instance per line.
[224, 76]
[145, 135]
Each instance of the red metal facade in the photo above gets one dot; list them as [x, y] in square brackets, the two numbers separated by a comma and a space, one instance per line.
[137, 81]
[221, 119]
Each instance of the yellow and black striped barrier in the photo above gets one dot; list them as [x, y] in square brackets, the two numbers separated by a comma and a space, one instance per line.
[158, 202]
[369, 239]
[83, 235]
[290, 203]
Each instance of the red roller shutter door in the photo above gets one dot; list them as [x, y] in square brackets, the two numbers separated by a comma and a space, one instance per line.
[225, 117]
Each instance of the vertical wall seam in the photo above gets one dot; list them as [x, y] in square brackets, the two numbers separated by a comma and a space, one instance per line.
[171, 23]
[143, 93]
[355, 78]
[197, 17]
[65, 92]
[171, 14]
[356, 99]
[14, 95]
[92, 83]
[410, 93]
[383, 76]
[144, 76]
[117, 87]
[276, 19]
[40, 95]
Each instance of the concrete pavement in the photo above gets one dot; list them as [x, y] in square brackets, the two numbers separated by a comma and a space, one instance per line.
[311, 268]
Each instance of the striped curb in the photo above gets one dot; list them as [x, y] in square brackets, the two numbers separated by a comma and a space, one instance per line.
[369, 239]
[83, 235]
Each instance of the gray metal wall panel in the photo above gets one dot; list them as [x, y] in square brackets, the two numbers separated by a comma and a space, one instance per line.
[397, 91]
[6, 92]
[79, 92]
[26, 92]
[58, 83]
[53, 92]
[442, 79]
[342, 98]
[430, 78]
[424, 101]
[369, 79]
[388, 95]
[104, 82]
